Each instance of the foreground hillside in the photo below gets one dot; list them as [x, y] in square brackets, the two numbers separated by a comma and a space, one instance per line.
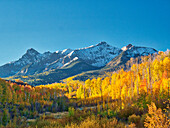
[137, 97]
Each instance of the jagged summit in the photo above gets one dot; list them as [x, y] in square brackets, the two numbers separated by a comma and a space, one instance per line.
[32, 51]
[127, 47]
[48, 52]
[102, 43]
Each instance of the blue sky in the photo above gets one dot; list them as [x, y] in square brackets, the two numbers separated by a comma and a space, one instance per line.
[58, 24]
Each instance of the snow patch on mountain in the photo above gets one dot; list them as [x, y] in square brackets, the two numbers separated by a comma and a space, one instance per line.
[98, 55]
[74, 59]
[70, 53]
[129, 46]
[66, 51]
[57, 51]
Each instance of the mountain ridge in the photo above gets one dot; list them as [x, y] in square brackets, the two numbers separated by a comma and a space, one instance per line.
[101, 55]
[33, 62]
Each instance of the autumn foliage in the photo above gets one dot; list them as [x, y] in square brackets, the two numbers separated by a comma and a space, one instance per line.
[137, 95]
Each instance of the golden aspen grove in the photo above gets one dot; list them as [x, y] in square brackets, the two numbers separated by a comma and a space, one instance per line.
[138, 96]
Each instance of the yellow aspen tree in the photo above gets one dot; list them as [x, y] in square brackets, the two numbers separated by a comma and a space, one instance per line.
[99, 85]
[93, 87]
[113, 86]
[88, 85]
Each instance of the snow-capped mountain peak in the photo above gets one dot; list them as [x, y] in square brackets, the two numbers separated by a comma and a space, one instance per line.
[96, 55]
[129, 46]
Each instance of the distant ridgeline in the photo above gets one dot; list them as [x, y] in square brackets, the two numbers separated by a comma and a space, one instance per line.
[36, 68]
